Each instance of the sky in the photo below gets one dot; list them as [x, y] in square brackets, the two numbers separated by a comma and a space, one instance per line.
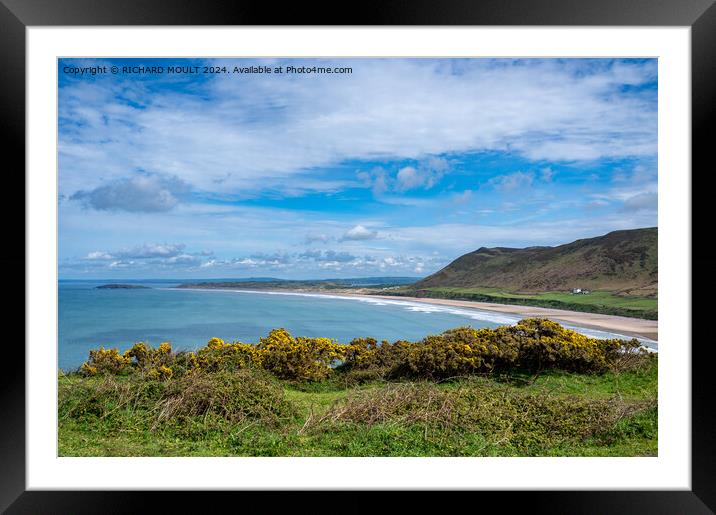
[392, 169]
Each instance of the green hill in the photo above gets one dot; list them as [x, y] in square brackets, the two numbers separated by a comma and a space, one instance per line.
[624, 262]
[619, 269]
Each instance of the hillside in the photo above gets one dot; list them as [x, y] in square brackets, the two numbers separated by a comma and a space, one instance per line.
[623, 262]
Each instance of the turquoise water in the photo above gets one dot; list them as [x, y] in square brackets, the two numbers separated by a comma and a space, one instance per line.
[89, 318]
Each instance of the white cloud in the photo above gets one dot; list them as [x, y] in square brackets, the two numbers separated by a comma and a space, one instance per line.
[151, 250]
[160, 254]
[359, 233]
[181, 259]
[424, 174]
[641, 202]
[99, 255]
[121, 264]
[276, 259]
[408, 178]
[257, 133]
[520, 180]
[142, 193]
[377, 179]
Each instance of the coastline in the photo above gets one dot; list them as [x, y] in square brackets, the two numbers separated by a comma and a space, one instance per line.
[633, 327]
[638, 327]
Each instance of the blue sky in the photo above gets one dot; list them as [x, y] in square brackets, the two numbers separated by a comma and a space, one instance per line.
[394, 169]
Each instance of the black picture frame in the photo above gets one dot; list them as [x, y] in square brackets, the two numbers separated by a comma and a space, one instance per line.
[17, 15]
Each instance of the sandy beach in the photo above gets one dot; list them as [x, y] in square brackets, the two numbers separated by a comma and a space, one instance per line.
[625, 325]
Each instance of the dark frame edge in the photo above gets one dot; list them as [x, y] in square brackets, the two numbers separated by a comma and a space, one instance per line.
[13, 495]
[12, 379]
[703, 108]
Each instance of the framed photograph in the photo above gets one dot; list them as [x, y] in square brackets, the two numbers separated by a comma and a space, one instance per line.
[434, 249]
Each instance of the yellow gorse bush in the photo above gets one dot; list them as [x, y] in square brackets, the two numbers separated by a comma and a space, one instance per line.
[153, 363]
[458, 352]
[161, 373]
[287, 357]
[533, 344]
[219, 355]
[546, 344]
[367, 354]
[105, 361]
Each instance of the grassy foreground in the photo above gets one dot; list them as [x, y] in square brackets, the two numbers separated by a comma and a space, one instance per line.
[604, 302]
[401, 399]
[559, 414]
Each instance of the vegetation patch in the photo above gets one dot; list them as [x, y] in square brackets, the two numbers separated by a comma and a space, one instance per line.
[502, 416]
[534, 388]
[235, 397]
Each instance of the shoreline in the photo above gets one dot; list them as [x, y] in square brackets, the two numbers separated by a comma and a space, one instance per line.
[638, 327]
[634, 327]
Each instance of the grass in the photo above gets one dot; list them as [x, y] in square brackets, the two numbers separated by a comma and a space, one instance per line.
[250, 413]
[594, 302]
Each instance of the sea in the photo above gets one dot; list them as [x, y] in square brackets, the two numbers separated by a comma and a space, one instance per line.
[89, 318]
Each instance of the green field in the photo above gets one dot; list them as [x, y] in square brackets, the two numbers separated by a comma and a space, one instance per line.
[595, 302]
[552, 414]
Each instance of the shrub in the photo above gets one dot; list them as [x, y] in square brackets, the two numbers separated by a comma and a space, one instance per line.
[154, 363]
[218, 355]
[184, 362]
[223, 396]
[365, 354]
[546, 344]
[199, 400]
[104, 361]
[356, 376]
[534, 344]
[404, 404]
[161, 373]
[107, 398]
[298, 358]
[457, 352]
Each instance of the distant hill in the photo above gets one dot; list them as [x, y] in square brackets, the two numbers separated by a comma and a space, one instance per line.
[621, 261]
